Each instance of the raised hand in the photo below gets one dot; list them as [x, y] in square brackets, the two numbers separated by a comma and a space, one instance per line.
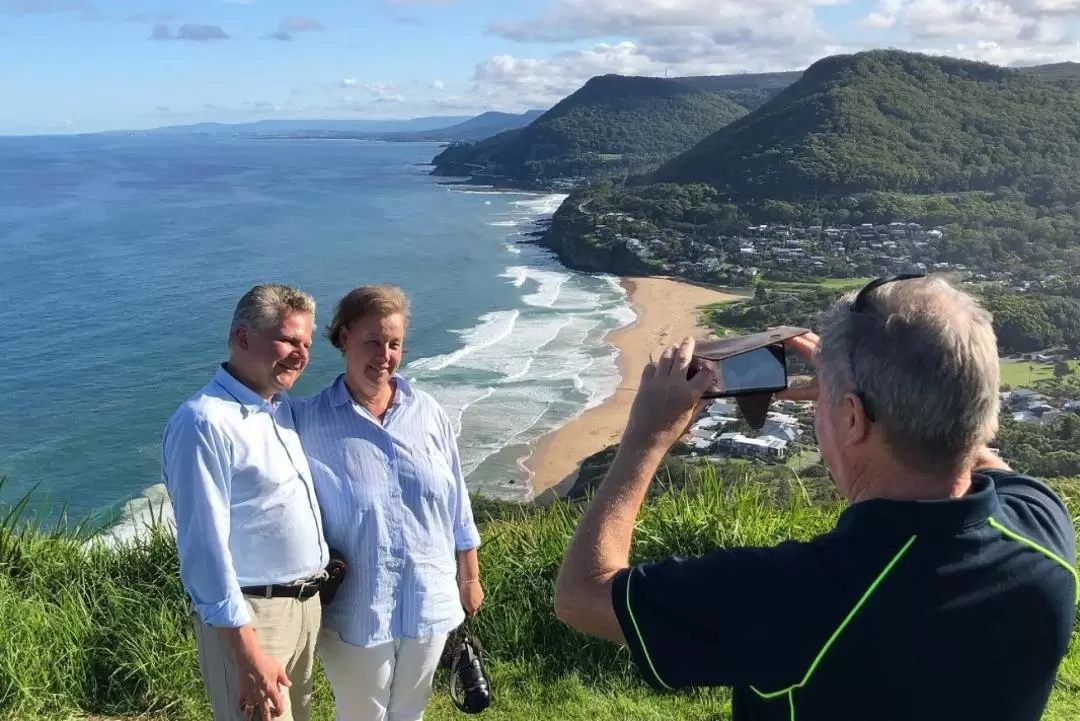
[805, 345]
[667, 401]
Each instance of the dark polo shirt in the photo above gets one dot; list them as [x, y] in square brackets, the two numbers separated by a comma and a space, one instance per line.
[906, 611]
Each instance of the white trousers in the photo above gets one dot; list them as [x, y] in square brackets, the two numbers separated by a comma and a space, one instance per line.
[389, 682]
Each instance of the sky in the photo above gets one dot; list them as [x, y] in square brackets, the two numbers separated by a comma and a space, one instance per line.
[89, 65]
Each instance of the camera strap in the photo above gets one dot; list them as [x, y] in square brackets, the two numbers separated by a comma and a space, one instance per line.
[467, 649]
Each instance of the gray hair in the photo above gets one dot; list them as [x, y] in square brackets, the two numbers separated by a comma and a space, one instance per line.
[923, 357]
[265, 305]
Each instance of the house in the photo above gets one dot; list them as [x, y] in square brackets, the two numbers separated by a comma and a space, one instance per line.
[786, 433]
[709, 422]
[703, 434]
[1026, 417]
[739, 445]
[699, 444]
[1041, 416]
[1021, 398]
[722, 407]
[782, 418]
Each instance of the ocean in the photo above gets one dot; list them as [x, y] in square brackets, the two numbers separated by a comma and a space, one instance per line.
[124, 256]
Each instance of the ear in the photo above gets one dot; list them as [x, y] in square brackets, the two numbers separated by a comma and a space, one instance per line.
[853, 419]
[343, 338]
[241, 338]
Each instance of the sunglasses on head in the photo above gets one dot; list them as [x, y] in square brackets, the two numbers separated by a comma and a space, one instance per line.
[858, 306]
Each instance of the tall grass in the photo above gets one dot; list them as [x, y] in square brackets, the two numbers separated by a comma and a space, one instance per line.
[88, 631]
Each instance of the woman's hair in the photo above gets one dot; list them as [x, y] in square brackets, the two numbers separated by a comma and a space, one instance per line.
[381, 300]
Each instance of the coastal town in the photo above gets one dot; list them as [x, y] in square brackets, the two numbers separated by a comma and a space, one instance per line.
[721, 434]
[782, 252]
[787, 436]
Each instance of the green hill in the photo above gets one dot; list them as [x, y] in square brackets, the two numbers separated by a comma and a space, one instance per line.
[1066, 75]
[614, 125]
[897, 121]
[106, 634]
[750, 90]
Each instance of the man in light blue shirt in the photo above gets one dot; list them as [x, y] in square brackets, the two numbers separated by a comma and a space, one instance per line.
[249, 530]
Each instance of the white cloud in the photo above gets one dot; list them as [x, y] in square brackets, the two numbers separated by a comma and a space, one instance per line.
[299, 24]
[437, 85]
[680, 37]
[885, 14]
[569, 20]
[348, 83]
[384, 93]
[295, 24]
[692, 37]
[1007, 23]
[191, 32]
[510, 82]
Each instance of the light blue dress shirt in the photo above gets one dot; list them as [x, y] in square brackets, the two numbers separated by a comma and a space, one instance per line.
[246, 509]
[395, 505]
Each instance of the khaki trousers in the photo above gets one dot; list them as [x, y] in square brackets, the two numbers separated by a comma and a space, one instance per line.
[389, 682]
[288, 630]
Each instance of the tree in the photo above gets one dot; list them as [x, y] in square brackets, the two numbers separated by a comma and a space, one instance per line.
[761, 293]
[1069, 424]
[1062, 369]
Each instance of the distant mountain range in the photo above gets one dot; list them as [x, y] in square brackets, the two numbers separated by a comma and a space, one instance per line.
[614, 125]
[314, 124]
[436, 128]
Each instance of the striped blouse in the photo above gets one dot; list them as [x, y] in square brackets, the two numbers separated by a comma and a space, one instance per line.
[395, 505]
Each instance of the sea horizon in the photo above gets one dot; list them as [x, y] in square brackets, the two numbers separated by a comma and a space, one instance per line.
[127, 255]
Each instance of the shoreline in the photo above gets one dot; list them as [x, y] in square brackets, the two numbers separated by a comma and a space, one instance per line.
[666, 311]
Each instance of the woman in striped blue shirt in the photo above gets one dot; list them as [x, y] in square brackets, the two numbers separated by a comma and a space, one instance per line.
[384, 461]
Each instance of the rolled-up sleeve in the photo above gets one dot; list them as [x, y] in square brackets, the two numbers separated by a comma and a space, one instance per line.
[195, 471]
[466, 535]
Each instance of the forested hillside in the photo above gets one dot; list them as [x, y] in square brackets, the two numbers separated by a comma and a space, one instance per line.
[613, 126]
[896, 121]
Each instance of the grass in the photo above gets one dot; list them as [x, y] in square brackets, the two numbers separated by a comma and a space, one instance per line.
[99, 633]
[826, 284]
[844, 283]
[1022, 373]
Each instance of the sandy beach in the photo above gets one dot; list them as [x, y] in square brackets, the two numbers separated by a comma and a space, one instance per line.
[667, 311]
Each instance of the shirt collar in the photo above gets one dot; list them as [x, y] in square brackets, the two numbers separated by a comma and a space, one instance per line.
[339, 392]
[248, 399]
[947, 516]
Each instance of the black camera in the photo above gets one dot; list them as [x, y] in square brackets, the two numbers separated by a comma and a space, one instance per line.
[336, 571]
[470, 689]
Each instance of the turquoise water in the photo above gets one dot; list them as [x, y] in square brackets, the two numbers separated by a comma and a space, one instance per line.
[123, 258]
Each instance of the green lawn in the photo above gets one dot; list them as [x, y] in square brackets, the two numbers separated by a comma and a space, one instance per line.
[1021, 374]
[838, 284]
[844, 283]
[104, 634]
